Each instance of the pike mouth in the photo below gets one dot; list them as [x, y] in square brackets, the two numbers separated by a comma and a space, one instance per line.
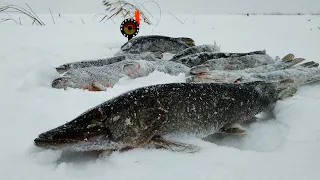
[75, 136]
[44, 141]
[87, 132]
[94, 143]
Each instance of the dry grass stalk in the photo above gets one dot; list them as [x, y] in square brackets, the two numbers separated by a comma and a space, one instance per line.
[17, 9]
[123, 7]
[52, 16]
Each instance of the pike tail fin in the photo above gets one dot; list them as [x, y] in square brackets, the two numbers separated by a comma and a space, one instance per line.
[296, 77]
[288, 57]
[285, 64]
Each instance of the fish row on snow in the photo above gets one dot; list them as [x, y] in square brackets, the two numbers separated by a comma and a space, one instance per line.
[222, 91]
[99, 75]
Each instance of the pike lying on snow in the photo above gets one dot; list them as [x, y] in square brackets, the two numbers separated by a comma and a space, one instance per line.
[141, 117]
[99, 78]
[241, 86]
[225, 60]
[195, 50]
[102, 62]
[103, 77]
[156, 43]
[301, 74]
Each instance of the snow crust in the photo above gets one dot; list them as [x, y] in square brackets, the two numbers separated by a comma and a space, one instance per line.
[286, 146]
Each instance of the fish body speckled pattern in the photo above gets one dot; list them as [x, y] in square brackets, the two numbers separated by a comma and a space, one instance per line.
[103, 62]
[139, 117]
[156, 43]
[246, 60]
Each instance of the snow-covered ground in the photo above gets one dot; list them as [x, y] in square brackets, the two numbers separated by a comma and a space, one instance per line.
[286, 147]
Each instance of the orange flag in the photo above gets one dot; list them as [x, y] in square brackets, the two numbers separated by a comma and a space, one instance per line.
[137, 16]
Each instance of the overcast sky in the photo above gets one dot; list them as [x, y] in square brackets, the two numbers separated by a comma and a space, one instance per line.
[179, 6]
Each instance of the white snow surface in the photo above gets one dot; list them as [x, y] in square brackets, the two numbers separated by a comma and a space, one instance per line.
[286, 147]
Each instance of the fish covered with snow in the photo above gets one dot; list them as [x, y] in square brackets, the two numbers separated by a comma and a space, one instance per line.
[141, 118]
[106, 61]
[156, 43]
[228, 61]
[301, 74]
[196, 49]
[286, 62]
[140, 48]
[103, 77]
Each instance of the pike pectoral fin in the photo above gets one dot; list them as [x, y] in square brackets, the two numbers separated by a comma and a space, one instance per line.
[159, 142]
[232, 130]
[149, 132]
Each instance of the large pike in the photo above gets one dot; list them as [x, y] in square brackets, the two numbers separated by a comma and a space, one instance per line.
[143, 116]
